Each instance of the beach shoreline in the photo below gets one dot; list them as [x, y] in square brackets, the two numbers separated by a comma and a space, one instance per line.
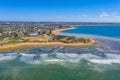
[23, 44]
[55, 32]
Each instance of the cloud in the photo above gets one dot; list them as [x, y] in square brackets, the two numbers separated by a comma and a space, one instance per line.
[84, 15]
[104, 14]
[114, 13]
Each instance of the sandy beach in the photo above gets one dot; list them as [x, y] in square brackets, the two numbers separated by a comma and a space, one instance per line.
[7, 46]
[56, 31]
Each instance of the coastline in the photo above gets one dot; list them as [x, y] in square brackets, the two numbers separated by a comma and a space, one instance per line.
[58, 32]
[55, 32]
[9, 46]
[94, 38]
[105, 41]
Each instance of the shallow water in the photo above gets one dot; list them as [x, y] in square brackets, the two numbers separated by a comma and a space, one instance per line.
[56, 63]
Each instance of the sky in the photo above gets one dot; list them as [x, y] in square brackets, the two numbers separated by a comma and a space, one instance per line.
[60, 10]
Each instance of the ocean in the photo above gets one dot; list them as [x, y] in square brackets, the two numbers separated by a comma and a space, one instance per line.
[95, 62]
[108, 30]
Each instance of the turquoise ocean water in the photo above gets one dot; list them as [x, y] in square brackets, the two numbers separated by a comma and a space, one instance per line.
[110, 31]
[94, 62]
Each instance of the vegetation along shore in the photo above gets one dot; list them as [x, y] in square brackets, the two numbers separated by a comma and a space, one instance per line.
[41, 35]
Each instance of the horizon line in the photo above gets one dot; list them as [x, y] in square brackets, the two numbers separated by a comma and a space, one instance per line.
[60, 21]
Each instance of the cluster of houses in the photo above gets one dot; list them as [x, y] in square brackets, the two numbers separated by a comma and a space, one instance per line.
[20, 29]
[35, 32]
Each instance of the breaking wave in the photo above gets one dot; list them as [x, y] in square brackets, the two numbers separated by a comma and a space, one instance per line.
[61, 57]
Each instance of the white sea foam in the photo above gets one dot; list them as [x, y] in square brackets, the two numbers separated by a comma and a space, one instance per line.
[4, 57]
[53, 60]
[110, 58]
[104, 61]
[67, 56]
[44, 56]
[27, 57]
[62, 57]
[88, 56]
[7, 58]
[73, 58]
[113, 56]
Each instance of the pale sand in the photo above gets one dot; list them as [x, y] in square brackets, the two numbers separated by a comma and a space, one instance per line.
[7, 46]
[56, 31]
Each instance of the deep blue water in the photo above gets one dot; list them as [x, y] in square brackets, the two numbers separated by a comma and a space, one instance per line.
[110, 31]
